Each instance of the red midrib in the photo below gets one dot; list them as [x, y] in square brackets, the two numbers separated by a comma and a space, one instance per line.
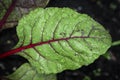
[37, 44]
[10, 9]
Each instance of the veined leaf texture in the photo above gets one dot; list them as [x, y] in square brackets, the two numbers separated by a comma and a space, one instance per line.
[56, 39]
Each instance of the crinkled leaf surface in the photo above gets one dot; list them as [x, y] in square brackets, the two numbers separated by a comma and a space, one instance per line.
[56, 39]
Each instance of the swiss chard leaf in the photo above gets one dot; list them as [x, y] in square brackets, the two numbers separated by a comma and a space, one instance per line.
[26, 72]
[56, 39]
[13, 10]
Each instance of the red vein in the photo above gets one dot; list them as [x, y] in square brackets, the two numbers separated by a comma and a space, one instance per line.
[37, 44]
[9, 10]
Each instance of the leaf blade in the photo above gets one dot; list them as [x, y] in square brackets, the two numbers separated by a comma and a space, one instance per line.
[26, 72]
[60, 27]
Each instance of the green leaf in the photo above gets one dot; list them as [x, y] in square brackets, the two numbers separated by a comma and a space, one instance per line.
[4, 4]
[56, 39]
[21, 8]
[26, 72]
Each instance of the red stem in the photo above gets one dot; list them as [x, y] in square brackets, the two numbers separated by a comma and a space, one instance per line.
[9, 10]
[37, 44]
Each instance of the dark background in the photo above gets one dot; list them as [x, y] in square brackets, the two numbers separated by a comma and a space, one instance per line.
[106, 12]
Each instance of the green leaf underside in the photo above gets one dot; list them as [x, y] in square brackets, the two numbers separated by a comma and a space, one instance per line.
[68, 39]
[26, 72]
